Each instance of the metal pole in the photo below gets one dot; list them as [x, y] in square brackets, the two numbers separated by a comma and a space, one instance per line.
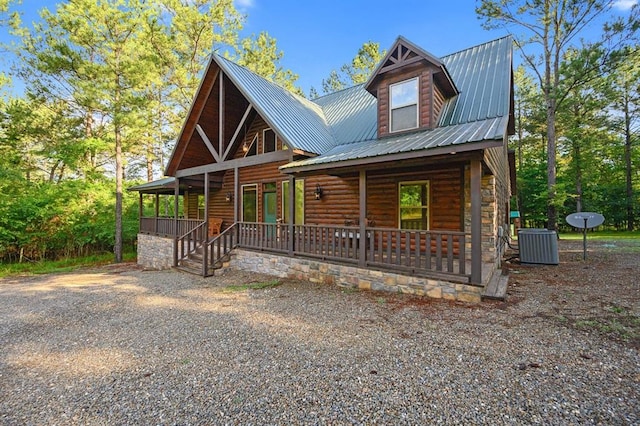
[584, 240]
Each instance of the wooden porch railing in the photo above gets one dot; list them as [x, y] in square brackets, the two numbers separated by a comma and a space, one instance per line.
[165, 226]
[192, 241]
[220, 246]
[407, 251]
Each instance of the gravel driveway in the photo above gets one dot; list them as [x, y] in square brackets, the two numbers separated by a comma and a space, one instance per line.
[118, 345]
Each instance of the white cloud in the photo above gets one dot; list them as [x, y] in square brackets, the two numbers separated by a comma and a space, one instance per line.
[624, 4]
[247, 4]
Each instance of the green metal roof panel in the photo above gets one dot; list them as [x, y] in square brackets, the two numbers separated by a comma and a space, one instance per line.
[299, 122]
[451, 137]
[483, 76]
[167, 183]
[352, 114]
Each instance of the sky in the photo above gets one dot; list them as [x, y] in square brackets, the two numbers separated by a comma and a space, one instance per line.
[319, 36]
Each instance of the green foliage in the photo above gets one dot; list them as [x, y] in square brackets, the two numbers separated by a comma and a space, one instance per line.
[261, 55]
[44, 220]
[357, 72]
[58, 266]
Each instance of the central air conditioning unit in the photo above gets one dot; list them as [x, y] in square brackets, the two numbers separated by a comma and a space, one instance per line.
[538, 246]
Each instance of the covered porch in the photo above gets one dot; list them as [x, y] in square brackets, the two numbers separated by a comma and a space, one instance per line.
[452, 255]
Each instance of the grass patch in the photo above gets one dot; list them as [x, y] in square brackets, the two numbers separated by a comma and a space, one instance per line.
[625, 327]
[62, 265]
[603, 235]
[252, 286]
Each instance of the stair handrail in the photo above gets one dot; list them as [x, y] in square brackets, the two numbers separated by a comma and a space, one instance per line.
[221, 245]
[197, 235]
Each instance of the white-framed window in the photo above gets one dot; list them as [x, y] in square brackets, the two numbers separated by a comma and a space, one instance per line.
[250, 203]
[299, 201]
[269, 143]
[413, 205]
[403, 105]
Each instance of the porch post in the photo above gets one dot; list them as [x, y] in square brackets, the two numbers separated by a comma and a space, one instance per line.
[206, 225]
[476, 221]
[236, 199]
[140, 212]
[156, 212]
[362, 241]
[292, 214]
[176, 194]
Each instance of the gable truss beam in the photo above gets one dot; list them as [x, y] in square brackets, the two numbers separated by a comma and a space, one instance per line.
[196, 112]
[208, 143]
[237, 132]
[221, 115]
[401, 64]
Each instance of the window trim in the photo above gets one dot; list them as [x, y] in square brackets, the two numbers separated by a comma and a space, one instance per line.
[394, 107]
[275, 140]
[426, 182]
[242, 187]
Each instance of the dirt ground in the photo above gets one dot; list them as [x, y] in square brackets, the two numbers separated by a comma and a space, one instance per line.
[600, 294]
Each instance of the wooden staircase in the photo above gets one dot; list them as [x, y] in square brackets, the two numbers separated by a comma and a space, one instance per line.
[193, 263]
[204, 257]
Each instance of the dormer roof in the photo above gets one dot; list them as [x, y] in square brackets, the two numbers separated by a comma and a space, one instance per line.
[403, 53]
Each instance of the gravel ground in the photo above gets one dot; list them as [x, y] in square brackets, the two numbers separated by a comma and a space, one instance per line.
[118, 345]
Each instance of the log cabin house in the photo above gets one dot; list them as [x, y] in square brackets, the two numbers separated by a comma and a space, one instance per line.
[401, 183]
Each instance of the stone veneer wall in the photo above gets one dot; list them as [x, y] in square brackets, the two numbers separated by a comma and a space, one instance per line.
[155, 252]
[351, 276]
[489, 216]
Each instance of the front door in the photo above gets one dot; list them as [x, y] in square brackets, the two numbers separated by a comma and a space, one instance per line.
[269, 207]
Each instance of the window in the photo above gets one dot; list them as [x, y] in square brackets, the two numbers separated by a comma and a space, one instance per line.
[299, 200]
[414, 205]
[404, 105]
[268, 141]
[250, 203]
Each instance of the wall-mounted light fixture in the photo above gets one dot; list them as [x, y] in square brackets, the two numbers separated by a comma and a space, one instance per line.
[318, 192]
[245, 147]
[229, 197]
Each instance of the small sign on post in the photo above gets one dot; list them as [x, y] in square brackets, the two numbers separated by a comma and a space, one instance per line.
[585, 220]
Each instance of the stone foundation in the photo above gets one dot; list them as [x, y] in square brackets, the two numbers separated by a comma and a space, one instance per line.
[351, 276]
[155, 252]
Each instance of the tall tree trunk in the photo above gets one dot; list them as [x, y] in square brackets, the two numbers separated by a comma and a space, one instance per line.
[627, 161]
[577, 154]
[117, 247]
[149, 158]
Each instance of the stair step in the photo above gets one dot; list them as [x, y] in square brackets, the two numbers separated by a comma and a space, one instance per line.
[189, 270]
[496, 288]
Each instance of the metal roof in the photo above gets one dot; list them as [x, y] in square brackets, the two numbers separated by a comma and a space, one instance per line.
[299, 122]
[450, 137]
[480, 112]
[352, 114]
[167, 185]
[483, 76]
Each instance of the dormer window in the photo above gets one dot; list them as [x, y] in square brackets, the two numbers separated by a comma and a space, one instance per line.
[403, 113]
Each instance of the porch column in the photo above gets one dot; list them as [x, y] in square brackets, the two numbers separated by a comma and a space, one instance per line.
[206, 225]
[476, 221]
[236, 182]
[362, 188]
[176, 195]
[156, 212]
[292, 214]
[140, 212]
